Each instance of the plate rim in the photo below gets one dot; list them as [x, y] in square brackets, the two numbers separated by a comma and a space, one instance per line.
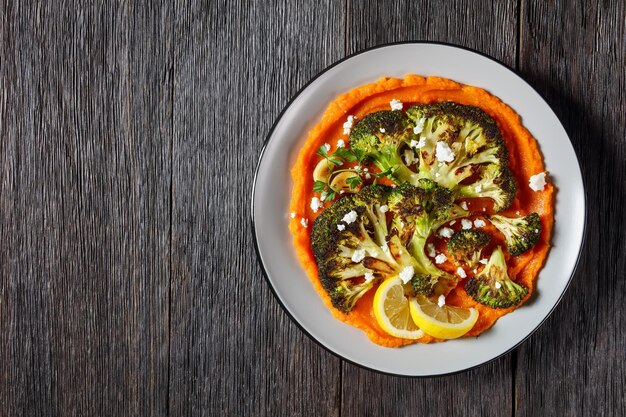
[256, 240]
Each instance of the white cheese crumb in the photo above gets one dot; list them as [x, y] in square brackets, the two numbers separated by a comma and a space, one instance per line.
[293, 215]
[441, 301]
[478, 188]
[357, 167]
[466, 224]
[409, 157]
[497, 285]
[464, 205]
[341, 143]
[444, 153]
[327, 146]
[358, 255]
[382, 130]
[365, 169]
[341, 227]
[536, 230]
[350, 217]
[323, 196]
[483, 261]
[419, 128]
[431, 250]
[315, 204]
[475, 271]
[347, 126]
[479, 223]
[517, 212]
[461, 272]
[537, 182]
[452, 223]
[367, 176]
[437, 175]
[441, 258]
[395, 104]
[369, 277]
[341, 191]
[384, 208]
[418, 144]
[446, 232]
[406, 274]
[304, 222]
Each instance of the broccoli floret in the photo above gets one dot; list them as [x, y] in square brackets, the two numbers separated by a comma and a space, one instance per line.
[418, 211]
[495, 182]
[465, 246]
[493, 287]
[521, 233]
[381, 137]
[453, 142]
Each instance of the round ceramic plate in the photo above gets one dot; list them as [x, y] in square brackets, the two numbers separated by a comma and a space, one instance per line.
[273, 184]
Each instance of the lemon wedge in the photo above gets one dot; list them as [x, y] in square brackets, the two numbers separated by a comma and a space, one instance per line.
[392, 311]
[443, 322]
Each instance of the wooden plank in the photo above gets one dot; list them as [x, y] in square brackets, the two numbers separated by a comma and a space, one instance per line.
[492, 29]
[574, 55]
[233, 350]
[85, 135]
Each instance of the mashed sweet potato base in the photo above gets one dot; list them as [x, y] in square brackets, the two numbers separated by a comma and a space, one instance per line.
[524, 158]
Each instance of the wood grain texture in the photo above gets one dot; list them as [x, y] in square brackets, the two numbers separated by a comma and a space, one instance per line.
[234, 351]
[85, 105]
[574, 54]
[370, 23]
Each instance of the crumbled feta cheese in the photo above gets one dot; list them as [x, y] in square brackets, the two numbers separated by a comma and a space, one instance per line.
[357, 167]
[537, 182]
[441, 258]
[409, 157]
[341, 143]
[347, 126]
[418, 144]
[431, 250]
[315, 204]
[406, 274]
[463, 205]
[444, 153]
[395, 104]
[419, 128]
[384, 208]
[365, 169]
[497, 285]
[350, 217]
[466, 224]
[369, 277]
[327, 146]
[446, 232]
[293, 215]
[483, 261]
[475, 271]
[382, 130]
[341, 227]
[358, 255]
[479, 223]
[441, 301]
[367, 176]
[461, 272]
[452, 223]
[323, 196]
[517, 212]
[437, 175]
[536, 230]
[478, 188]
[341, 191]
[304, 222]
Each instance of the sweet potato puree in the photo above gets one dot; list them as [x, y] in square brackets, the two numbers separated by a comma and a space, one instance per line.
[525, 161]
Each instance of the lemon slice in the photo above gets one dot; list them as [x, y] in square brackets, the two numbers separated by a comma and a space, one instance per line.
[445, 322]
[392, 311]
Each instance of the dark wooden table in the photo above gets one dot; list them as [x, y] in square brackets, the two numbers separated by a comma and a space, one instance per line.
[128, 141]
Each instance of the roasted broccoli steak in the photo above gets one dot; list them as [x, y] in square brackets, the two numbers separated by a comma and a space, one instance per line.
[458, 147]
[465, 246]
[521, 233]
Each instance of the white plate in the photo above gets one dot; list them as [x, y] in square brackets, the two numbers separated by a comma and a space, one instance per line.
[273, 184]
